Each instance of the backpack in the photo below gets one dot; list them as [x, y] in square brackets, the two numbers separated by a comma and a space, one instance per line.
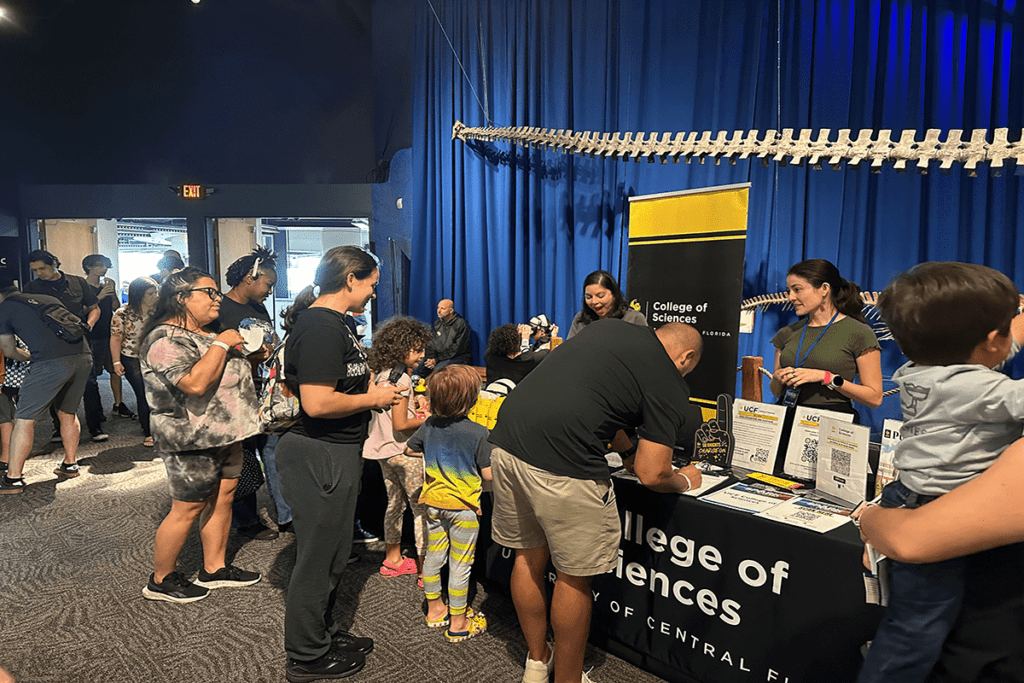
[66, 325]
[279, 406]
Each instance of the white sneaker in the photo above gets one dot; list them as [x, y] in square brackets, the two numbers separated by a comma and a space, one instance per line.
[586, 678]
[540, 672]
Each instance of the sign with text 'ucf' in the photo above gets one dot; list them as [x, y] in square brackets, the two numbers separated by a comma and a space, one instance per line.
[686, 265]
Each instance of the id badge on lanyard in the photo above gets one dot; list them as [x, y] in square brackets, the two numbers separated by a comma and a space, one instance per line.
[789, 398]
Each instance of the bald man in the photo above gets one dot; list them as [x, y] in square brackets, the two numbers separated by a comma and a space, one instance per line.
[451, 344]
[553, 496]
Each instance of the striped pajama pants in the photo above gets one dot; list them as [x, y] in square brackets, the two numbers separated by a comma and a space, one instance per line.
[452, 538]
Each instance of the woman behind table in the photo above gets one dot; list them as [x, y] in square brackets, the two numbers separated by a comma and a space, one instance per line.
[125, 339]
[602, 298]
[199, 388]
[834, 344]
[319, 458]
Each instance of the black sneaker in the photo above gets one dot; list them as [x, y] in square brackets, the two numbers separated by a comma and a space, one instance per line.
[285, 528]
[55, 437]
[258, 532]
[69, 471]
[4, 466]
[121, 410]
[334, 664]
[174, 588]
[99, 435]
[11, 486]
[227, 577]
[361, 535]
[343, 641]
[353, 558]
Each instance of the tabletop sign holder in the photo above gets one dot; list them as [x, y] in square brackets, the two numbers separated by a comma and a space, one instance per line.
[713, 442]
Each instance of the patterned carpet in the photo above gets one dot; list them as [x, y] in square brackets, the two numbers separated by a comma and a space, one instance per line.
[74, 556]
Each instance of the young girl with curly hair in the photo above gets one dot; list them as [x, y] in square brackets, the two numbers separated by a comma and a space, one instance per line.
[397, 346]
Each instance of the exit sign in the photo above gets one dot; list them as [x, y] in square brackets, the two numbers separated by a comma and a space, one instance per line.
[193, 192]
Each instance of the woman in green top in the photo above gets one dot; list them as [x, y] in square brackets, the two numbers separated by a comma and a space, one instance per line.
[818, 357]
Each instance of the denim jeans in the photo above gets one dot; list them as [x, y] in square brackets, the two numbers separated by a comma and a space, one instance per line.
[133, 373]
[923, 607]
[269, 456]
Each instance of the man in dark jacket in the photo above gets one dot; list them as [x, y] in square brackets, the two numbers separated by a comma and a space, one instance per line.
[450, 344]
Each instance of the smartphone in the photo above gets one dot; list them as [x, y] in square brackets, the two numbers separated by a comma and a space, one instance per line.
[396, 373]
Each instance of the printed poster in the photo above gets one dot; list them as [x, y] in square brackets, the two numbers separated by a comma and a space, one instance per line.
[842, 461]
[887, 473]
[802, 450]
[757, 430]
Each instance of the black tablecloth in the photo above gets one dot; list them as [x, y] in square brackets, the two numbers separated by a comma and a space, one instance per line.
[708, 594]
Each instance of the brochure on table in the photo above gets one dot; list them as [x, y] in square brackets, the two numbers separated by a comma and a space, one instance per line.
[757, 429]
[748, 497]
[802, 451]
[842, 461]
[886, 469]
[815, 515]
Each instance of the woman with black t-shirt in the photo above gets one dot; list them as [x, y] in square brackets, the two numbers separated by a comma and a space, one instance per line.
[318, 459]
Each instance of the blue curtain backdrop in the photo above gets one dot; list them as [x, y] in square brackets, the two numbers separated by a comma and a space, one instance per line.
[509, 232]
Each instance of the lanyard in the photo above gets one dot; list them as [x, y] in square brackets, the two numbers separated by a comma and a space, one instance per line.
[800, 348]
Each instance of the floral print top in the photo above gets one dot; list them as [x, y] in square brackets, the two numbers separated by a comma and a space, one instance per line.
[128, 324]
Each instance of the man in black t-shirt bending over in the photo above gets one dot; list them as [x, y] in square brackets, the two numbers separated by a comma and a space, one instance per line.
[552, 490]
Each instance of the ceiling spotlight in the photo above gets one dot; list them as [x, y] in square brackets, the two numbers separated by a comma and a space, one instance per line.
[3, 13]
[196, 2]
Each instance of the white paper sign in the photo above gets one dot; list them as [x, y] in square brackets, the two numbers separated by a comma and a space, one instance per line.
[886, 469]
[809, 514]
[842, 461]
[802, 450]
[752, 497]
[756, 431]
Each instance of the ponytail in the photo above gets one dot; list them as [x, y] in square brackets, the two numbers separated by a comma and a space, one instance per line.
[303, 301]
[847, 300]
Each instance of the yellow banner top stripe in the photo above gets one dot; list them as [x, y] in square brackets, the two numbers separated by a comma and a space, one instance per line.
[713, 211]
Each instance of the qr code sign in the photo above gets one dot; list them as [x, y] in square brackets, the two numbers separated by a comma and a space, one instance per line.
[841, 462]
[810, 454]
[760, 455]
[805, 516]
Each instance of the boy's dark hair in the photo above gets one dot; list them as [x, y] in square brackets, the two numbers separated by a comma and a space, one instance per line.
[504, 340]
[170, 262]
[44, 256]
[453, 391]
[393, 341]
[247, 264]
[95, 260]
[938, 312]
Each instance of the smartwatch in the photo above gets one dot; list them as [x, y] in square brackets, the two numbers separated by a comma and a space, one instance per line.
[837, 381]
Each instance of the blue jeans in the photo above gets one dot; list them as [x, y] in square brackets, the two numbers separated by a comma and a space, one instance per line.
[269, 455]
[923, 607]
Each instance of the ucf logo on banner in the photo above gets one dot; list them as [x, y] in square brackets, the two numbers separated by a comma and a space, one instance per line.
[686, 265]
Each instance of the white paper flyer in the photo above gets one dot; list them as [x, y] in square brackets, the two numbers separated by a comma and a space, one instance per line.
[802, 450]
[809, 514]
[842, 461]
[756, 430]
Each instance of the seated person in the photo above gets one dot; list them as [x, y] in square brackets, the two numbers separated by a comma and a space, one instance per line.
[451, 343]
[504, 358]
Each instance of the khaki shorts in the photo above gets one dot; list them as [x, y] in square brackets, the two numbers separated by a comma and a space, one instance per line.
[576, 518]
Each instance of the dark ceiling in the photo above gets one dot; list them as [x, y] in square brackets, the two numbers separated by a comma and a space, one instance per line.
[226, 91]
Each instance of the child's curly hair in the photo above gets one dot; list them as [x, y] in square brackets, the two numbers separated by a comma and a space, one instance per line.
[394, 340]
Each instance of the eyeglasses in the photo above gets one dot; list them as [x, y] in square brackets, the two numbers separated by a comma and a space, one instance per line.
[214, 294]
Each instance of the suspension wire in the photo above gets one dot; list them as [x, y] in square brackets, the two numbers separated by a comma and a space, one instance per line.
[461, 67]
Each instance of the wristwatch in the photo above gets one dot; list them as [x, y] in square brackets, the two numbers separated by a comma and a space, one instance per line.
[835, 381]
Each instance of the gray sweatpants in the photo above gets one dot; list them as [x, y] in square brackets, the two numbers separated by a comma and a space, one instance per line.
[320, 482]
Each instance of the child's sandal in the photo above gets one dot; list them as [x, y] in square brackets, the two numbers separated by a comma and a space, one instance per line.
[437, 623]
[406, 566]
[477, 625]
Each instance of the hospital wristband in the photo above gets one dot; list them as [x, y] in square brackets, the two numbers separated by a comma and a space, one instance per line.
[222, 345]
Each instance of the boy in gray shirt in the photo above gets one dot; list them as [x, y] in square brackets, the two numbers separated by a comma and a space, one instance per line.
[957, 324]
